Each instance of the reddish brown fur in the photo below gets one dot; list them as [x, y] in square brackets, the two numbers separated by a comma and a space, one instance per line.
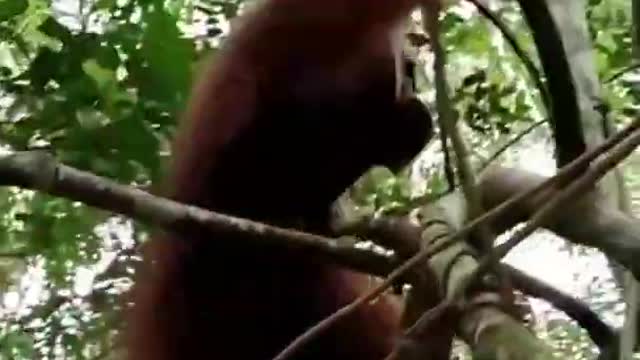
[297, 78]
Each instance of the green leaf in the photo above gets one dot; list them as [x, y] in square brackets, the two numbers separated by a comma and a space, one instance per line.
[43, 68]
[12, 8]
[167, 60]
[476, 77]
[54, 29]
[105, 4]
[17, 345]
[105, 79]
[107, 87]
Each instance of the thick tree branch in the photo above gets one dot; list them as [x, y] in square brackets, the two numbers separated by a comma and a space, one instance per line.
[444, 274]
[580, 186]
[543, 215]
[448, 125]
[40, 171]
[565, 110]
[590, 221]
[403, 235]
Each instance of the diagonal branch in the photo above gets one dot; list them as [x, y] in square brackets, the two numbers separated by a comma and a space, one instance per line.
[564, 175]
[600, 333]
[511, 142]
[591, 176]
[510, 37]
[39, 171]
[545, 214]
[622, 72]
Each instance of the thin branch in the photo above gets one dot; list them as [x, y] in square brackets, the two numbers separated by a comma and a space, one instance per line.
[404, 236]
[56, 300]
[448, 126]
[564, 175]
[14, 254]
[45, 310]
[534, 74]
[448, 168]
[620, 73]
[510, 37]
[511, 142]
[600, 333]
[550, 209]
[590, 177]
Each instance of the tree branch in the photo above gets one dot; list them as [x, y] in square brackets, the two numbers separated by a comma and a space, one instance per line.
[581, 185]
[565, 110]
[28, 168]
[56, 300]
[564, 175]
[545, 214]
[40, 171]
[600, 333]
[14, 254]
[534, 73]
[511, 142]
[620, 73]
[403, 236]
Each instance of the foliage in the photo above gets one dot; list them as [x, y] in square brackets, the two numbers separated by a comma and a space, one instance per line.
[100, 86]
[101, 83]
